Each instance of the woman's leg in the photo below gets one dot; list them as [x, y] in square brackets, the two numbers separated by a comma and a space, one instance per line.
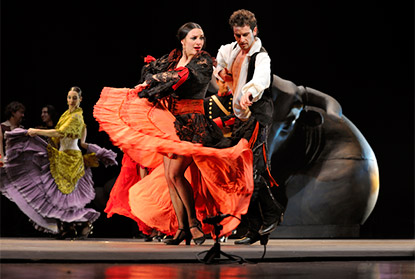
[178, 206]
[142, 171]
[183, 189]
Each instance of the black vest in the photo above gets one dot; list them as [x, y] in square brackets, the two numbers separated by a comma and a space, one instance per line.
[262, 109]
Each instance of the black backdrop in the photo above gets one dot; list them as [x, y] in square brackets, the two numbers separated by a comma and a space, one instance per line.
[359, 52]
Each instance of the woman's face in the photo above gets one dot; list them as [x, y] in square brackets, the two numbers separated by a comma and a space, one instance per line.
[73, 100]
[45, 115]
[193, 42]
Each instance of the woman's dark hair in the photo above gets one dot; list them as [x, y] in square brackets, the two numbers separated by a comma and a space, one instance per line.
[77, 90]
[12, 108]
[185, 29]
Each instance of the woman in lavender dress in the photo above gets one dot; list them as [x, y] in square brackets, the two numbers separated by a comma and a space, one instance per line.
[52, 182]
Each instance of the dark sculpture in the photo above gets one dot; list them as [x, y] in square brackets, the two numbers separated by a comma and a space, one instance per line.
[324, 164]
[327, 172]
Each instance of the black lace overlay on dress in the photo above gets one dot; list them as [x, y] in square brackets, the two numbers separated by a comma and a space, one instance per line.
[197, 128]
[160, 85]
[200, 74]
[163, 64]
[161, 76]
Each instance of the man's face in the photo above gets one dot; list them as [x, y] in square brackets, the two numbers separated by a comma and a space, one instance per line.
[244, 36]
[18, 116]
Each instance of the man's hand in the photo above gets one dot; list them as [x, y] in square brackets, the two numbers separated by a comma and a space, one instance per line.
[225, 75]
[246, 100]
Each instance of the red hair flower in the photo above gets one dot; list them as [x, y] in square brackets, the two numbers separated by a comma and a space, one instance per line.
[149, 59]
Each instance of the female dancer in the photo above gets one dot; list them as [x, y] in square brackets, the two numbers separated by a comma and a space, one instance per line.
[51, 183]
[169, 119]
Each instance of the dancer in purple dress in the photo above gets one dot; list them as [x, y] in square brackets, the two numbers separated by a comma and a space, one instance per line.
[51, 182]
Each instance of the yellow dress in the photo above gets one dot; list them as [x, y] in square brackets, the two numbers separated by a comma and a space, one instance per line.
[67, 165]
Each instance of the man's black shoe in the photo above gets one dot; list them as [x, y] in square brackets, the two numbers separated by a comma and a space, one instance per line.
[267, 229]
[248, 239]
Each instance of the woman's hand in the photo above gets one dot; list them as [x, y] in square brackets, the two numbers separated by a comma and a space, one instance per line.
[141, 87]
[42, 132]
[32, 132]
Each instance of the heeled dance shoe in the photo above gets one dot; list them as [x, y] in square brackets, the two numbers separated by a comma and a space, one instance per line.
[183, 235]
[84, 229]
[67, 230]
[199, 240]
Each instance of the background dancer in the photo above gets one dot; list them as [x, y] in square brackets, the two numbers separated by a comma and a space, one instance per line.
[52, 183]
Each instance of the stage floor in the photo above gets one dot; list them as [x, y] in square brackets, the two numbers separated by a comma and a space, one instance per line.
[136, 250]
[272, 270]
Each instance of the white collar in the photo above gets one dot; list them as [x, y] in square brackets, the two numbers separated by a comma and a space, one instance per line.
[256, 47]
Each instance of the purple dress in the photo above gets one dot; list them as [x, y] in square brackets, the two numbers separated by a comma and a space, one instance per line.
[26, 180]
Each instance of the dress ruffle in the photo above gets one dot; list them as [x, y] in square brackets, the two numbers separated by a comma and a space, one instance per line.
[118, 202]
[27, 181]
[222, 179]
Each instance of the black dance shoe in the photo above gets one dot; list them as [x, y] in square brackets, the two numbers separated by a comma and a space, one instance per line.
[67, 230]
[248, 239]
[149, 238]
[154, 236]
[267, 229]
[199, 240]
[183, 235]
[83, 229]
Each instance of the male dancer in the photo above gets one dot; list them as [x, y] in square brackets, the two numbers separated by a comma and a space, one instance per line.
[250, 89]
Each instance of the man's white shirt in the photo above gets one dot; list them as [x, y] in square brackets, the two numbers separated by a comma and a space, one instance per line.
[260, 80]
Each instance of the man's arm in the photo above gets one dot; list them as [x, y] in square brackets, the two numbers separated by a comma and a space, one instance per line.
[261, 79]
[222, 59]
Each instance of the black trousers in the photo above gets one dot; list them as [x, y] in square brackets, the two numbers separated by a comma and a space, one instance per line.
[263, 208]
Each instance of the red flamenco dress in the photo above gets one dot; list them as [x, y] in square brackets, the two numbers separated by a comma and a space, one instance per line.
[146, 129]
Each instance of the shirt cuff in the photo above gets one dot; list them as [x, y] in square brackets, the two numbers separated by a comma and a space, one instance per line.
[217, 71]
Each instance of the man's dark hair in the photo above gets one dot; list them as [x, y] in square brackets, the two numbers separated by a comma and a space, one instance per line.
[241, 18]
[12, 108]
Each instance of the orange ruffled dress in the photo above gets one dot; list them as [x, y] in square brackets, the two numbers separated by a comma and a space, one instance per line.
[222, 179]
[118, 202]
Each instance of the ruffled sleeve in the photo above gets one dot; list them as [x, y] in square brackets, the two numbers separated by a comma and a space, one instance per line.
[163, 84]
[198, 70]
[201, 68]
[155, 66]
